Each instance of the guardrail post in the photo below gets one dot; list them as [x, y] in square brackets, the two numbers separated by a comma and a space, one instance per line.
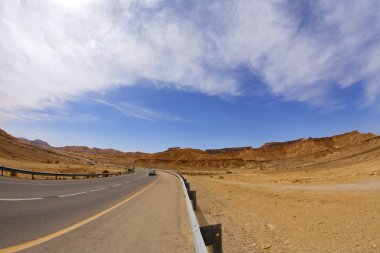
[212, 235]
[193, 198]
[32, 176]
[2, 171]
[187, 186]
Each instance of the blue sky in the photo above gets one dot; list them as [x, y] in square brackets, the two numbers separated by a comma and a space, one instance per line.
[148, 75]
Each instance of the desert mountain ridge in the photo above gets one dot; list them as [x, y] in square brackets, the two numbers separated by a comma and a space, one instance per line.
[336, 141]
[296, 154]
[272, 155]
[36, 142]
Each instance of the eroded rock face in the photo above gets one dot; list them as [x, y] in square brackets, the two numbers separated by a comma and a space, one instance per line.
[273, 155]
[227, 150]
[301, 147]
[257, 158]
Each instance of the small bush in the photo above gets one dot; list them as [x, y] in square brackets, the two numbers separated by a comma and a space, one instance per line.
[106, 172]
[13, 174]
[56, 161]
[221, 177]
[229, 172]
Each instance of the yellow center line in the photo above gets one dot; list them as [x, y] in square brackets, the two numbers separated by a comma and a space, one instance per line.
[74, 226]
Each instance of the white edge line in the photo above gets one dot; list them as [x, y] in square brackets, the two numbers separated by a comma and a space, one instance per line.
[72, 194]
[66, 195]
[95, 190]
[20, 199]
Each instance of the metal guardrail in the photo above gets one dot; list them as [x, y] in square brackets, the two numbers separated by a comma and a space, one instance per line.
[56, 175]
[212, 234]
[199, 244]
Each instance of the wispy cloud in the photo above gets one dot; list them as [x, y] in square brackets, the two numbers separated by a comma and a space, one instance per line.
[61, 115]
[138, 112]
[56, 51]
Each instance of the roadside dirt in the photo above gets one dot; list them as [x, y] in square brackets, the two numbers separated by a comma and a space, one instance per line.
[324, 210]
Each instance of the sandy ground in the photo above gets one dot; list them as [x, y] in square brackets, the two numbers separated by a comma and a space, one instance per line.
[326, 210]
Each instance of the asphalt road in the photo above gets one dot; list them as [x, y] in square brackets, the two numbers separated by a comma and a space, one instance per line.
[132, 213]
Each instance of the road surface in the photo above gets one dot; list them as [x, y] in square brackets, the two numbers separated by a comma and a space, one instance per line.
[132, 213]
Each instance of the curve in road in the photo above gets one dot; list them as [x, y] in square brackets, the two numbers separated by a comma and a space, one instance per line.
[61, 209]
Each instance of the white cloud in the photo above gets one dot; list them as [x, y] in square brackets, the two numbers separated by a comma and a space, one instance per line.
[61, 115]
[136, 111]
[56, 51]
[305, 61]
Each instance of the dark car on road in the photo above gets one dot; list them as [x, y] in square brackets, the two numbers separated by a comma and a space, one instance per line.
[152, 172]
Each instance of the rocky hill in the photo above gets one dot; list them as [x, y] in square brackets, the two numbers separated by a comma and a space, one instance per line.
[12, 148]
[40, 156]
[303, 147]
[91, 151]
[36, 142]
[274, 155]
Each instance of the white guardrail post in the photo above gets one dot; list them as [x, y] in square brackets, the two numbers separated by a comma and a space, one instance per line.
[199, 244]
